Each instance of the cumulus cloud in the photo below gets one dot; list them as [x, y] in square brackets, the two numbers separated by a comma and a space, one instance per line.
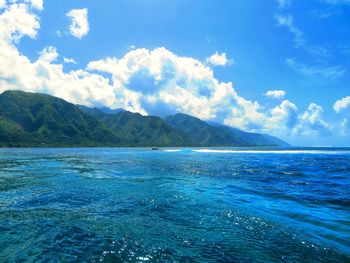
[311, 122]
[277, 94]
[80, 23]
[162, 77]
[17, 21]
[219, 60]
[37, 4]
[341, 105]
[49, 54]
[284, 116]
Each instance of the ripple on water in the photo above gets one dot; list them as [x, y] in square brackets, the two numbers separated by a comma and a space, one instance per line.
[93, 205]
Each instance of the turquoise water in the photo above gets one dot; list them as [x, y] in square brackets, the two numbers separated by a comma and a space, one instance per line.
[138, 205]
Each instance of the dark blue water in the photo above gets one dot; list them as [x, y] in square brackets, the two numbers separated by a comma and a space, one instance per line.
[117, 205]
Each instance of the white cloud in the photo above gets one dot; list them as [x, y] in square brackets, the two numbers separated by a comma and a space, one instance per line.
[318, 51]
[165, 78]
[15, 69]
[342, 104]
[288, 22]
[2, 3]
[283, 117]
[37, 4]
[44, 74]
[80, 23]
[49, 54]
[324, 14]
[219, 60]
[329, 72]
[69, 60]
[277, 94]
[311, 122]
[17, 21]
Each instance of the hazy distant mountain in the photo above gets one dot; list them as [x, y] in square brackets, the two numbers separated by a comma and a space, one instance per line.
[211, 134]
[31, 119]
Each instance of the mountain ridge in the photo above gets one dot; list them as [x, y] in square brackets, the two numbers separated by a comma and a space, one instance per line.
[35, 119]
[216, 135]
[41, 120]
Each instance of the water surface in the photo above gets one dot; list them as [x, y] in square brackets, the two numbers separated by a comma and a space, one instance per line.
[182, 205]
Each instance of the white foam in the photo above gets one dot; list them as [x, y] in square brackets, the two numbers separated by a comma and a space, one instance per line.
[171, 150]
[271, 151]
[240, 151]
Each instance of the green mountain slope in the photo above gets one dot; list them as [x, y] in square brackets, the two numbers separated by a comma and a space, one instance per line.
[29, 119]
[208, 134]
[141, 130]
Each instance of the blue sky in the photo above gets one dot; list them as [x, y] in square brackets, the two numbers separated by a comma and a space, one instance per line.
[213, 59]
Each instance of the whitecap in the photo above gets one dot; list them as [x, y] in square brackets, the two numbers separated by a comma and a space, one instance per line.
[222, 151]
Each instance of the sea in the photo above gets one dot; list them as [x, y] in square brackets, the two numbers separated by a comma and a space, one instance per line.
[175, 205]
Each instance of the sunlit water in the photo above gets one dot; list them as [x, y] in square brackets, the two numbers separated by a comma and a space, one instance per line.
[202, 205]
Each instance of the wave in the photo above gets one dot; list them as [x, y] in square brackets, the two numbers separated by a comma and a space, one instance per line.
[222, 151]
[186, 150]
[272, 151]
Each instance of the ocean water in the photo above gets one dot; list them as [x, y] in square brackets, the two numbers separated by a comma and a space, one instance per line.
[174, 205]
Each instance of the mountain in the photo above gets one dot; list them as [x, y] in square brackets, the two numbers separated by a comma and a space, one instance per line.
[254, 139]
[210, 134]
[110, 111]
[31, 119]
[141, 130]
[99, 112]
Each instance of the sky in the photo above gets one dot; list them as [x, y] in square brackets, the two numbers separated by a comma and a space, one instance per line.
[280, 67]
